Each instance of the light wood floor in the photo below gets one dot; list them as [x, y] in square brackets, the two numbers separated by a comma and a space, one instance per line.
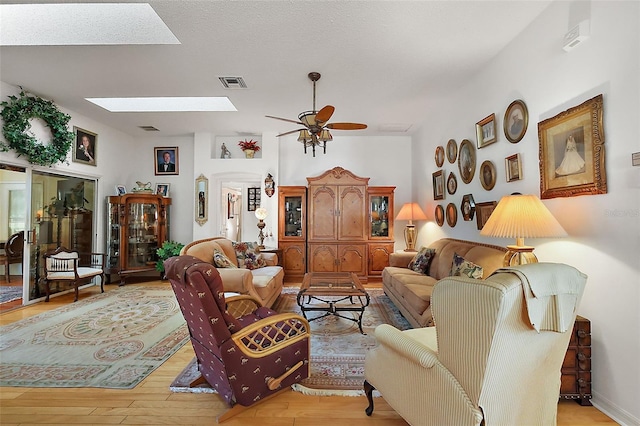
[151, 402]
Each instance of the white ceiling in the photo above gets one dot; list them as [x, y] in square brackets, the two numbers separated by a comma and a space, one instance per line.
[381, 62]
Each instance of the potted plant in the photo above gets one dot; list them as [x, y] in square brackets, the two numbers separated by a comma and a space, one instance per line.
[249, 147]
[168, 249]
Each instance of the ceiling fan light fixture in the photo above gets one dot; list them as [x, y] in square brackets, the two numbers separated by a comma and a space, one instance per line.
[304, 136]
[325, 136]
[308, 118]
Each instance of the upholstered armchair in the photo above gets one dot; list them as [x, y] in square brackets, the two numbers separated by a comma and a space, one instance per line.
[245, 351]
[493, 357]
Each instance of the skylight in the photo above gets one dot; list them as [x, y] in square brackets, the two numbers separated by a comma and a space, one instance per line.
[82, 24]
[165, 104]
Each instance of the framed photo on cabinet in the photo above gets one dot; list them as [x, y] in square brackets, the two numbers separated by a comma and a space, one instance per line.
[572, 160]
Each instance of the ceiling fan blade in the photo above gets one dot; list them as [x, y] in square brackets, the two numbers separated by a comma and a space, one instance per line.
[346, 126]
[288, 133]
[284, 119]
[324, 114]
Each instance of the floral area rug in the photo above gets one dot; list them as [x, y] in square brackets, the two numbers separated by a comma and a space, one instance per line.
[111, 340]
[9, 293]
[338, 348]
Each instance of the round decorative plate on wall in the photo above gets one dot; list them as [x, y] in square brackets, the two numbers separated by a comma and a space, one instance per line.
[467, 161]
[452, 214]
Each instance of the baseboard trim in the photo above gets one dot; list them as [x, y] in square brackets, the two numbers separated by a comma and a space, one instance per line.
[612, 410]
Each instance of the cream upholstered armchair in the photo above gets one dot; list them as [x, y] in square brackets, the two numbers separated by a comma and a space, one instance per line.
[494, 355]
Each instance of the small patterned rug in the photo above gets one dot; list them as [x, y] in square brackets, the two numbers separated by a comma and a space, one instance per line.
[111, 340]
[338, 348]
[9, 293]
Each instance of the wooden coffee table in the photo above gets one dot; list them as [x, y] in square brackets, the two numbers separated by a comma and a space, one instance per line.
[333, 289]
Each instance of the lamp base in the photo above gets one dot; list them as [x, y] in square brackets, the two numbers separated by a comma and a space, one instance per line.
[410, 237]
[519, 255]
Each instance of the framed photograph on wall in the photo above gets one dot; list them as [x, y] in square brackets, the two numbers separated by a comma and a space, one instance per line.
[466, 160]
[486, 131]
[468, 207]
[452, 184]
[84, 147]
[162, 189]
[483, 211]
[166, 160]
[452, 214]
[487, 175]
[438, 185]
[253, 196]
[516, 120]
[439, 213]
[513, 167]
[439, 157]
[452, 151]
[572, 152]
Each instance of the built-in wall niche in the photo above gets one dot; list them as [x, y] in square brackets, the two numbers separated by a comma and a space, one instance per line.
[226, 147]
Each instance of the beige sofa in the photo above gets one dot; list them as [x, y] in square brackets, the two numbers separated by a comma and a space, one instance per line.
[411, 291]
[264, 284]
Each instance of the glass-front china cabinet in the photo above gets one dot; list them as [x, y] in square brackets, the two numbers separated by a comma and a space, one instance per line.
[137, 225]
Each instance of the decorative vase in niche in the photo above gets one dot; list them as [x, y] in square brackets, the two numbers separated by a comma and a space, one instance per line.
[248, 153]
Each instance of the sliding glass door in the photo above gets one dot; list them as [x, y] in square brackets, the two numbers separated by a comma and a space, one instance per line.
[62, 214]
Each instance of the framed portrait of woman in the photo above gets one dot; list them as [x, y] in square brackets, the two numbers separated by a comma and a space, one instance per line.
[84, 147]
[572, 160]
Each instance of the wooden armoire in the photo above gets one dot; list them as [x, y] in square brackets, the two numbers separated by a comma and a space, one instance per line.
[349, 225]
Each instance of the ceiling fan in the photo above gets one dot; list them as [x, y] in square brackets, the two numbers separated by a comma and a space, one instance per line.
[316, 129]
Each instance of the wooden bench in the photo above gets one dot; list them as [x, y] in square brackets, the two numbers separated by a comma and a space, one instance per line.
[63, 264]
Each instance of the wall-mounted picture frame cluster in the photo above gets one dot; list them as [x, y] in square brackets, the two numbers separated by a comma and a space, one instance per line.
[572, 155]
[253, 198]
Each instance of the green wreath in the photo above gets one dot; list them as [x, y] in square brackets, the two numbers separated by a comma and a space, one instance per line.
[16, 114]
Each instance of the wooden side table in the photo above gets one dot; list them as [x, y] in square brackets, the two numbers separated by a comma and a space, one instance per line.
[576, 368]
[275, 250]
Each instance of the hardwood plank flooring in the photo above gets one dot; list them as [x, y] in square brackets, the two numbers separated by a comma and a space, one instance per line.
[151, 402]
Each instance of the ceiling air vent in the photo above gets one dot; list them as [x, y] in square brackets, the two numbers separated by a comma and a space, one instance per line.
[233, 82]
[149, 128]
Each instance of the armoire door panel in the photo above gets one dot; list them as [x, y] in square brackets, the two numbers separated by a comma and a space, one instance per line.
[322, 216]
[352, 208]
[323, 258]
[352, 258]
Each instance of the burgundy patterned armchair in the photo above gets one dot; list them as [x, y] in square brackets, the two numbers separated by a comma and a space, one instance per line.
[246, 352]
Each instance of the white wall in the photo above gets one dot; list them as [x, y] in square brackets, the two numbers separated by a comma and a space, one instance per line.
[604, 230]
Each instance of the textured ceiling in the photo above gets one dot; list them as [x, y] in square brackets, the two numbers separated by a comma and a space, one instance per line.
[381, 62]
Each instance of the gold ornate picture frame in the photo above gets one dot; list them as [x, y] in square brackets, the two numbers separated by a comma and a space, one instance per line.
[571, 154]
[516, 121]
[438, 185]
[486, 131]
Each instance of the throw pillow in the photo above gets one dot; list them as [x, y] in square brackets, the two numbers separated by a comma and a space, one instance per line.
[422, 260]
[221, 260]
[464, 268]
[248, 255]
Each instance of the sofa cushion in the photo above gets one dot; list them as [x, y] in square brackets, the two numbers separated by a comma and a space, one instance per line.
[221, 260]
[464, 268]
[422, 260]
[248, 255]
[418, 296]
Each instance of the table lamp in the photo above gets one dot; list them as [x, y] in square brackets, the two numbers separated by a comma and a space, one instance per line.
[261, 214]
[411, 212]
[520, 217]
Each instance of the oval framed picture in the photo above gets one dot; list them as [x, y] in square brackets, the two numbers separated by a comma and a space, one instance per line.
[487, 175]
[516, 120]
[439, 156]
[466, 161]
[439, 215]
[452, 214]
[452, 183]
[452, 151]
